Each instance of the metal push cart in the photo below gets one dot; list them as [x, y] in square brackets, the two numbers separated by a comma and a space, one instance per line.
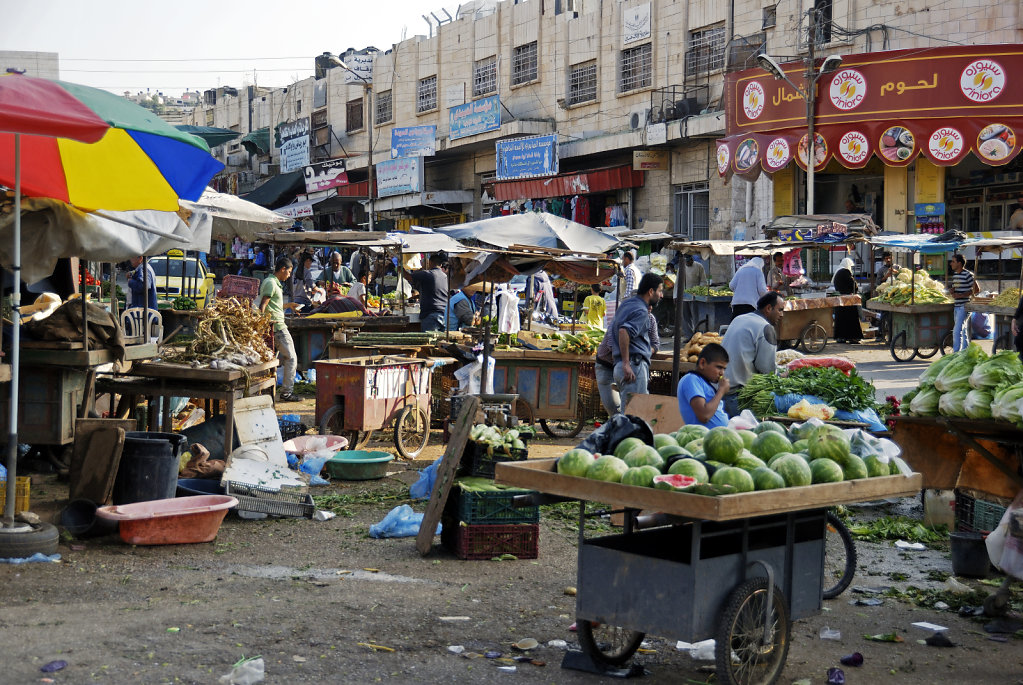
[737, 568]
[359, 395]
[547, 385]
[918, 330]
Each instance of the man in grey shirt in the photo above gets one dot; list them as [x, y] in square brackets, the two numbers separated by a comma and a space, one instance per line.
[631, 346]
[751, 342]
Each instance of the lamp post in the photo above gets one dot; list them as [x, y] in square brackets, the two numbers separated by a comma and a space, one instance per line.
[367, 87]
[812, 74]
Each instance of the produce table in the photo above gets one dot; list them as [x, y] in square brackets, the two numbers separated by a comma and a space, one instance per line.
[740, 566]
[548, 383]
[1003, 338]
[712, 311]
[917, 329]
[810, 321]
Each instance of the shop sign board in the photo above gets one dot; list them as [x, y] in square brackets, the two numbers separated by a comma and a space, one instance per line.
[635, 23]
[527, 157]
[294, 144]
[325, 175]
[361, 66]
[473, 118]
[413, 141]
[650, 160]
[399, 176]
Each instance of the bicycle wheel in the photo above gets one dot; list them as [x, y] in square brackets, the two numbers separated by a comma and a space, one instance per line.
[746, 652]
[813, 338]
[411, 431]
[839, 557]
[897, 347]
[610, 645]
[563, 428]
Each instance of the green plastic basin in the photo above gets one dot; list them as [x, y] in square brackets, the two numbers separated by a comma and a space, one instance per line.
[358, 465]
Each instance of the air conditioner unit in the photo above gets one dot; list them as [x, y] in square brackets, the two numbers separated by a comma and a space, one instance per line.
[639, 118]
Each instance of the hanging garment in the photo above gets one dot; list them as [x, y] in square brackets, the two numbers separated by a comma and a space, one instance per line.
[508, 316]
[581, 210]
[557, 206]
[617, 216]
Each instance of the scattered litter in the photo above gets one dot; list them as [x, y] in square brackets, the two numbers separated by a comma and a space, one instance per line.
[537, 662]
[321, 515]
[526, 644]
[872, 602]
[299, 659]
[54, 666]
[375, 648]
[507, 669]
[933, 627]
[174, 629]
[493, 654]
[557, 644]
[998, 638]
[371, 570]
[38, 556]
[940, 606]
[400, 522]
[802, 681]
[967, 611]
[911, 546]
[453, 618]
[854, 659]
[864, 590]
[456, 649]
[505, 557]
[884, 637]
[836, 676]
[645, 650]
[77, 548]
[570, 591]
[472, 655]
[572, 628]
[953, 585]
[522, 659]
[938, 640]
[829, 634]
[245, 672]
[700, 651]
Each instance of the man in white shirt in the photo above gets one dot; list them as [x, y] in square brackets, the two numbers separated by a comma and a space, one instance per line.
[632, 274]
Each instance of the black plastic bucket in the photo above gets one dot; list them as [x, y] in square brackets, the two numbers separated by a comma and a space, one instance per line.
[79, 518]
[969, 555]
[178, 442]
[148, 468]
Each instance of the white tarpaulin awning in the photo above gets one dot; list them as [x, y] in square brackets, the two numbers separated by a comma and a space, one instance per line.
[422, 240]
[233, 216]
[538, 229]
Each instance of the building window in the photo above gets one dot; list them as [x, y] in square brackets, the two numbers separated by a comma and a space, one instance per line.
[769, 16]
[822, 14]
[484, 77]
[692, 211]
[353, 116]
[426, 95]
[706, 51]
[384, 111]
[582, 83]
[636, 68]
[524, 64]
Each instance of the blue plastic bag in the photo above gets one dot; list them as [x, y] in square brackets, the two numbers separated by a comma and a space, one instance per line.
[422, 488]
[867, 416]
[313, 464]
[400, 522]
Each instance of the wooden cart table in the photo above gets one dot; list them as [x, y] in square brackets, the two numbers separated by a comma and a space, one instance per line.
[917, 329]
[810, 321]
[710, 312]
[164, 380]
[547, 382]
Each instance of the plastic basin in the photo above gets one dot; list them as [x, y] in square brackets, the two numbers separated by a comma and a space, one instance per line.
[176, 521]
[307, 443]
[358, 465]
[190, 487]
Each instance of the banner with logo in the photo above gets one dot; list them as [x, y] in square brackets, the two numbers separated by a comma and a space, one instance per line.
[399, 176]
[326, 175]
[472, 118]
[413, 141]
[527, 157]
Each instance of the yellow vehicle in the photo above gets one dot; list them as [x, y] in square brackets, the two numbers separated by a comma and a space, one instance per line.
[181, 276]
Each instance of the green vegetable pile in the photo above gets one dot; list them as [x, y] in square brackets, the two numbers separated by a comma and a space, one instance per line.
[183, 303]
[898, 528]
[496, 439]
[707, 290]
[919, 288]
[851, 393]
[972, 385]
[1007, 298]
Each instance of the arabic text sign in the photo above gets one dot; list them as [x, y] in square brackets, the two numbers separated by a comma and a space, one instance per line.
[527, 157]
[361, 65]
[399, 176]
[413, 141]
[650, 160]
[635, 23]
[326, 175]
[472, 118]
[294, 145]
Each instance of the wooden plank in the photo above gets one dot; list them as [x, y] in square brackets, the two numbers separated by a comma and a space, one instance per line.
[660, 411]
[95, 457]
[5, 373]
[184, 372]
[908, 308]
[446, 473]
[540, 475]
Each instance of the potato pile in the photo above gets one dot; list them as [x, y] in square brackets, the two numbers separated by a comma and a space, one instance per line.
[696, 344]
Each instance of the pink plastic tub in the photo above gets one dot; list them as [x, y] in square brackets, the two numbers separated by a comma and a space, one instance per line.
[175, 521]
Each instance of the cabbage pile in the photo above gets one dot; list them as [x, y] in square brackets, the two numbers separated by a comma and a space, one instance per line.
[970, 384]
[918, 288]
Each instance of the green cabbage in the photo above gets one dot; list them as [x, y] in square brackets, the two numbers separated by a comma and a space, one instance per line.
[1006, 403]
[956, 374]
[1003, 367]
[926, 402]
[951, 403]
[932, 371]
[977, 404]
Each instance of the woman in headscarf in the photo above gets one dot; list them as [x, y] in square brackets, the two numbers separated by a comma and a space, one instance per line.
[847, 319]
[748, 286]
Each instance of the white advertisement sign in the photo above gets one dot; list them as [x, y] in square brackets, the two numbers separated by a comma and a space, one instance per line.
[362, 65]
[294, 145]
[635, 23]
[399, 176]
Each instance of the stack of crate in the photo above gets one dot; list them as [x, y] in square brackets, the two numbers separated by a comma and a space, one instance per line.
[976, 515]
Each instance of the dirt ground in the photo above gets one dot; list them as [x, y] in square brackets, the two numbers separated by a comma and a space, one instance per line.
[322, 602]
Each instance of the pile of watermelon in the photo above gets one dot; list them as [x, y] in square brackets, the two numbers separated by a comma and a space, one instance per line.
[724, 460]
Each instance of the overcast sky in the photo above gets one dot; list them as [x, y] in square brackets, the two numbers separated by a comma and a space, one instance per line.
[197, 44]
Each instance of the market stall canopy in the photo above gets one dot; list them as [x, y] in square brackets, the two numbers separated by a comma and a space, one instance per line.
[924, 243]
[257, 142]
[708, 248]
[943, 103]
[233, 216]
[420, 240]
[538, 229]
[278, 190]
[211, 134]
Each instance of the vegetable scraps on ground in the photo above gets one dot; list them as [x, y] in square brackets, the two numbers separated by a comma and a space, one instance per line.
[829, 384]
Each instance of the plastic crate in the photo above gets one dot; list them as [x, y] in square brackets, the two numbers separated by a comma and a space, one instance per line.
[263, 500]
[22, 491]
[977, 515]
[489, 541]
[291, 429]
[241, 287]
[492, 507]
[476, 461]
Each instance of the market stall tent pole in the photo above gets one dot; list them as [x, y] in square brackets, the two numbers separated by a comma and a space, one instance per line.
[12, 425]
[676, 343]
[486, 336]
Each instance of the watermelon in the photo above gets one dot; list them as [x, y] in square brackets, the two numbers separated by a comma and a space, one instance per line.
[607, 468]
[876, 467]
[663, 439]
[675, 481]
[829, 445]
[767, 479]
[769, 426]
[626, 446]
[770, 443]
[671, 451]
[749, 462]
[853, 468]
[643, 455]
[794, 470]
[747, 438]
[690, 467]
[772, 460]
[694, 446]
[898, 467]
[642, 476]
[575, 462]
[739, 479]
[802, 431]
[689, 433]
[823, 429]
[723, 444]
[826, 470]
[801, 446]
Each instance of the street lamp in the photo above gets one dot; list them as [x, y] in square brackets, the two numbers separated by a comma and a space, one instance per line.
[367, 87]
[768, 64]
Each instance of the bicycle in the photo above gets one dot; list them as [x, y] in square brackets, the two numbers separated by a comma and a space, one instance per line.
[839, 557]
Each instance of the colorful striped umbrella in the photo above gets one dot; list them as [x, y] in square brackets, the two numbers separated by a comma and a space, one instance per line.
[96, 150]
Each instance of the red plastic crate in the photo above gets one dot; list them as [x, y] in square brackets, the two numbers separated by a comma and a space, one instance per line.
[489, 541]
[242, 287]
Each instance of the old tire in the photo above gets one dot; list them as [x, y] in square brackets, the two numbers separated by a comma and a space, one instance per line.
[813, 338]
[411, 431]
[608, 645]
[19, 543]
[332, 423]
[563, 428]
[741, 632]
[839, 558]
[897, 347]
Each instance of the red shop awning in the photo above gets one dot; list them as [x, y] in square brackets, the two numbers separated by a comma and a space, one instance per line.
[582, 183]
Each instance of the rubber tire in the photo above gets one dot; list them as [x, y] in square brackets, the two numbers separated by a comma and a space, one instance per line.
[836, 527]
[410, 450]
[615, 657]
[738, 610]
[551, 429]
[946, 344]
[812, 335]
[926, 352]
[356, 439]
[41, 539]
[894, 345]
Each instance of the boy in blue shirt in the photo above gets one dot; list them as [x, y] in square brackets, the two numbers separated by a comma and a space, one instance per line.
[699, 401]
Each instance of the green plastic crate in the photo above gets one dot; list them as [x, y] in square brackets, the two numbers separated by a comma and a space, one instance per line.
[494, 507]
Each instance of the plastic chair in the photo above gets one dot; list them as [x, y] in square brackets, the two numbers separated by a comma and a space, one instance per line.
[135, 330]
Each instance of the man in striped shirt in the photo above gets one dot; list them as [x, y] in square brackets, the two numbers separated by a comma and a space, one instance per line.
[964, 286]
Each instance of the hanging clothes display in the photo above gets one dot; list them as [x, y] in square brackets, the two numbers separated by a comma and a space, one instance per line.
[508, 315]
[616, 216]
[581, 210]
[557, 206]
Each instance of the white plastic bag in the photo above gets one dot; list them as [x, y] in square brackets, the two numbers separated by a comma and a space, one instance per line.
[246, 673]
[1005, 550]
[744, 421]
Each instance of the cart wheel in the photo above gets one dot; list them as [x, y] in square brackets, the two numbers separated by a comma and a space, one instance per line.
[813, 337]
[411, 431]
[562, 428]
[333, 423]
[1002, 342]
[945, 347]
[610, 645]
[524, 412]
[746, 655]
[946, 344]
[898, 348]
[839, 557]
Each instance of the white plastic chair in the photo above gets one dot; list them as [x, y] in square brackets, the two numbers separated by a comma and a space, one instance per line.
[134, 329]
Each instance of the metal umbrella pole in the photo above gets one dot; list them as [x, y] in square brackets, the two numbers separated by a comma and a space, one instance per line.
[12, 426]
